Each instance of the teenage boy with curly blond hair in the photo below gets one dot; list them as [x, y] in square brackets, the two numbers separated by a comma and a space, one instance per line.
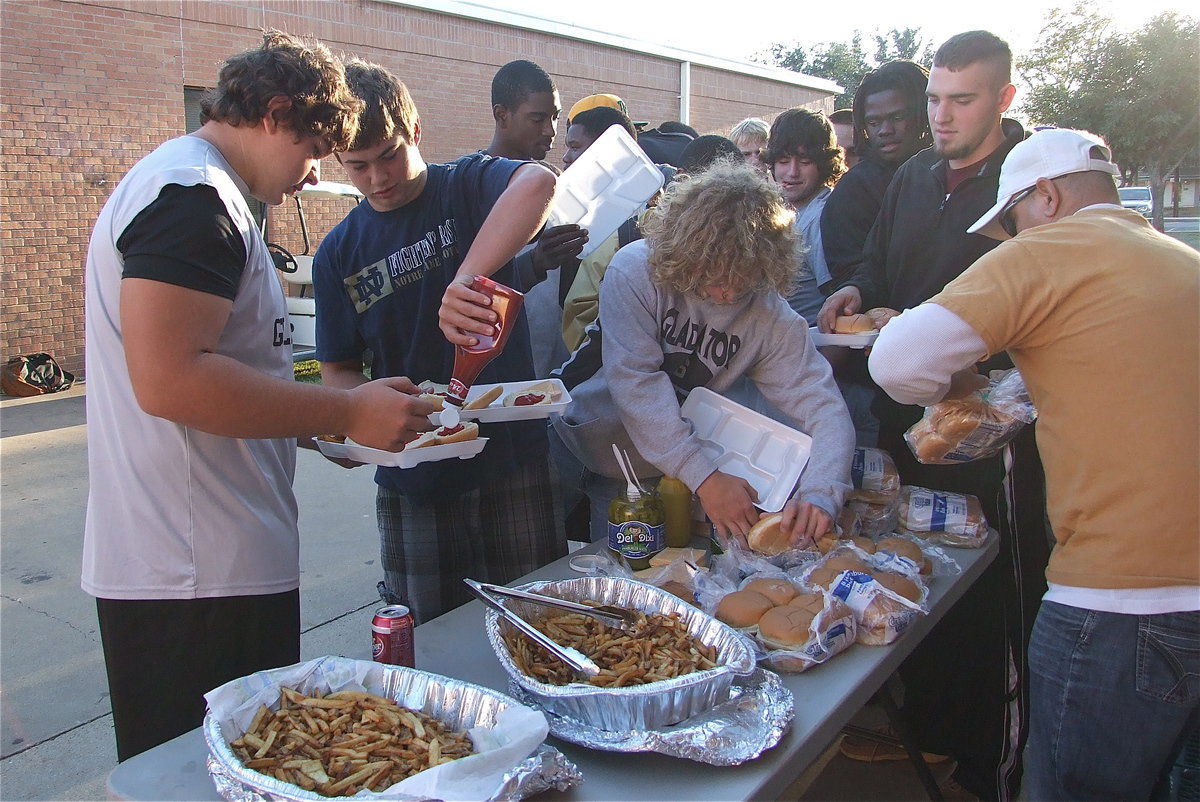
[698, 303]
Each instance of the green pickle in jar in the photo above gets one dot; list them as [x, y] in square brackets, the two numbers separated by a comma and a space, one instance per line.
[636, 527]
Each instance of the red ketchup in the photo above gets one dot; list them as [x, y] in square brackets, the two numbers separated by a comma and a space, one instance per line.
[468, 362]
[528, 400]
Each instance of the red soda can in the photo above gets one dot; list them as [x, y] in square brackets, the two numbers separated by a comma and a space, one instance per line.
[392, 635]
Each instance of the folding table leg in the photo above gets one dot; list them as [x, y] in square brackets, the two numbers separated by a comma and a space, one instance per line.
[904, 736]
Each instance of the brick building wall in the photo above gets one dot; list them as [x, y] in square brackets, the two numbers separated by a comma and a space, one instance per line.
[90, 86]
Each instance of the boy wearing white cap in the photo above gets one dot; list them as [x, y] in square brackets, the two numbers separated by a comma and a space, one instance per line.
[1080, 297]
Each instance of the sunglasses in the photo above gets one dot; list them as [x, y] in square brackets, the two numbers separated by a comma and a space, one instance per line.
[1006, 222]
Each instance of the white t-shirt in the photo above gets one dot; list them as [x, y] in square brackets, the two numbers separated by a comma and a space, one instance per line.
[175, 513]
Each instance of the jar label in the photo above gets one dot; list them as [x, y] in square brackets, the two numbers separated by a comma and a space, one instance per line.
[636, 540]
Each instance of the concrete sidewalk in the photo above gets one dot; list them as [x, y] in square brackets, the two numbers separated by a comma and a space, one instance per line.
[56, 740]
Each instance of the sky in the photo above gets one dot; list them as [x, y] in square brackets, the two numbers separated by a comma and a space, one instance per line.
[739, 31]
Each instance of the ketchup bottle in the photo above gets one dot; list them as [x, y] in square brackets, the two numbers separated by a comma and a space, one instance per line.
[468, 362]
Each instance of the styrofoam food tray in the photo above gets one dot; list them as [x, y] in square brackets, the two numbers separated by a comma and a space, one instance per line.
[845, 340]
[764, 452]
[606, 186]
[401, 459]
[498, 413]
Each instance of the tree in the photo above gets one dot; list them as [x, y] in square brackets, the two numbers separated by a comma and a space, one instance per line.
[1138, 90]
[846, 63]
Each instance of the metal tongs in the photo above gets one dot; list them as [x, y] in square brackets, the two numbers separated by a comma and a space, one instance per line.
[581, 663]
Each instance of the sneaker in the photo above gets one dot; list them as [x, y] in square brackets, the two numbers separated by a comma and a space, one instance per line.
[952, 791]
[870, 750]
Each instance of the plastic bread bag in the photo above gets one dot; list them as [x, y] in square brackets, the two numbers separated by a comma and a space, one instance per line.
[874, 476]
[975, 427]
[876, 519]
[909, 555]
[884, 603]
[942, 517]
[792, 628]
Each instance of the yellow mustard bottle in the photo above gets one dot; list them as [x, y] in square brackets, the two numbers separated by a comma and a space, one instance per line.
[677, 502]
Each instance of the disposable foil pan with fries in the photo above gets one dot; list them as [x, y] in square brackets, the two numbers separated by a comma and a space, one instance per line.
[637, 707]
[509, 759]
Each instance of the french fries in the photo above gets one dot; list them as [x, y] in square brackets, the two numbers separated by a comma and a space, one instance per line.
[659, 648]
[343, 742]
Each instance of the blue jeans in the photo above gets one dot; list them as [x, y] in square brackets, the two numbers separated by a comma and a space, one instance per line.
[1112, 698]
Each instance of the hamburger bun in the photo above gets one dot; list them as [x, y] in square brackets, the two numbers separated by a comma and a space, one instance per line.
[863, 543]
[900, 585]
[743, 608]
[853, 324]
[765, 537]
[824, 574]
[881, 315]
[778, 591]
[485, 399]
[813, 602]
[546, 392]
[903, 547]
[438, 401]
[786, 627]
[932, 447]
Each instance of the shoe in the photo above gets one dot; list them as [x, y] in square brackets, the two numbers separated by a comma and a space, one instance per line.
[869, 750]
[952, 791]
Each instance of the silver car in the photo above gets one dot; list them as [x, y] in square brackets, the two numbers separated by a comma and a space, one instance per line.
[1138, 199]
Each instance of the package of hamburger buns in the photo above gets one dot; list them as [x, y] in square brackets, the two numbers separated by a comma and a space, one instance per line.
[942, 517]
[884, 603]
[874, 476]
[975, 427]
[791, 628]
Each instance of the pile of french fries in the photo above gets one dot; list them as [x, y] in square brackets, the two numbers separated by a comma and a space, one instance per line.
[658, 648]
[344, 742]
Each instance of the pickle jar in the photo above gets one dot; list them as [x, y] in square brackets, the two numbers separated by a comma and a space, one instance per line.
[636, 527]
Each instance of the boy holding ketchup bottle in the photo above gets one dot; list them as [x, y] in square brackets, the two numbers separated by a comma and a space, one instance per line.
[394, 278]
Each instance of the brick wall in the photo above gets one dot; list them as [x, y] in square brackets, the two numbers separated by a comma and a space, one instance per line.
[90, 86]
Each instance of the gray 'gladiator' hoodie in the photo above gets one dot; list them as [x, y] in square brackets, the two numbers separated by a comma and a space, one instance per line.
[659, 344]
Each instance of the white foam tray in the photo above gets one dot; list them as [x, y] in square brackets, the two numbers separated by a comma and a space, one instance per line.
[401, 459]
[496, 412]
[764, 452]
[606, 186]
[845, 340]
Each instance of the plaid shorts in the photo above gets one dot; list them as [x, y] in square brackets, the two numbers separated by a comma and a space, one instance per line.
[498, 532]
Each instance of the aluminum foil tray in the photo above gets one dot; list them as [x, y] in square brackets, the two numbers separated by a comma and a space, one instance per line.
[463, 705]
[757, 714]
[639, 707]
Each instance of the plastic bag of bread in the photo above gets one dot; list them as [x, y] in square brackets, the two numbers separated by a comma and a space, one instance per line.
[884, 603]
[792, 629]
[974, 427]
[874, 476]
[875, 519]
[942, 517]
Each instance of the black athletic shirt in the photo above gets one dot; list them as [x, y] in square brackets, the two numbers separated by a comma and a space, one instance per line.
[185, 237]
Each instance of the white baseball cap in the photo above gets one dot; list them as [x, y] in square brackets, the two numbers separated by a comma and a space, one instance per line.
[1049, 153]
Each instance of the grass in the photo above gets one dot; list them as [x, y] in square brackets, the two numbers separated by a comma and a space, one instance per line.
[308, 370]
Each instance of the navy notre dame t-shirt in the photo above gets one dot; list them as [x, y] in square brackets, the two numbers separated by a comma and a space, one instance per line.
[379, 277]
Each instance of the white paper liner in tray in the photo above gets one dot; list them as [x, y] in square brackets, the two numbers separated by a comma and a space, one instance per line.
[401, 459]
[757, 714]
[861, 340]
[745, 443]
[496, 412]
[512, 762]
[638, 707]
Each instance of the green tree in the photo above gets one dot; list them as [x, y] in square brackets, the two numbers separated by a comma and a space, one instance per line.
[846, 63]
[1138, 90]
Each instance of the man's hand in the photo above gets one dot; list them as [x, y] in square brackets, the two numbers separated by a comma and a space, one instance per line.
[388, 413]
[557, 245]
[465, 312]
[728, 501]
[964, 383]
[846, 301]
[804, 522]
